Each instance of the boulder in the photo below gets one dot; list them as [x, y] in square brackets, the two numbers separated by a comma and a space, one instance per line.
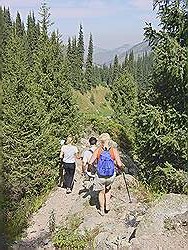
[159, 216]
[164, 226]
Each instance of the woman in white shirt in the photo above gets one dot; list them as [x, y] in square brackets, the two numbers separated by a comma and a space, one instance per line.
[68, 154]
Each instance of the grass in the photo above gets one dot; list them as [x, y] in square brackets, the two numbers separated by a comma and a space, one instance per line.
[98, 105]
[68, 236]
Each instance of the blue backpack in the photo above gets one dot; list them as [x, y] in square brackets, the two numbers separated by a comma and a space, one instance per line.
[105, 165]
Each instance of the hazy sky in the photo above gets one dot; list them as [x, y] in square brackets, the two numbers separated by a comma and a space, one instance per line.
[111, 22]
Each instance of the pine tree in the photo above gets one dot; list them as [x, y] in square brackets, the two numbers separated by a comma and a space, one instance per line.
[81, 47]
[6, 26]
[32, 37]
[162, 123]
[116, 69]
[110, 76]
[45, 19]
[89, 64]
[170, 85]
[124, 100]
[19, 26]
[38, 110]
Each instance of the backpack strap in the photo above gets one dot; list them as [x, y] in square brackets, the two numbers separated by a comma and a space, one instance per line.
[111, 150]
[99, 153]
[112, 153]
[90, 150]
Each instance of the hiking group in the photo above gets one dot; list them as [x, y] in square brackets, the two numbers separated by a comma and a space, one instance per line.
[99, 162]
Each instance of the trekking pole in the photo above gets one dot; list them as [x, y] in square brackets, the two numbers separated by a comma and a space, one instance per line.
[130, 201]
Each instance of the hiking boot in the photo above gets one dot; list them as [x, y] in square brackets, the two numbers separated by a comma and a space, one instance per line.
[68, 191]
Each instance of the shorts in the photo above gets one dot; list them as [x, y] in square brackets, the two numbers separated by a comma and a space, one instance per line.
[103, 182]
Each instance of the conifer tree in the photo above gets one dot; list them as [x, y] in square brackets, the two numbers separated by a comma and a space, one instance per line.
[6, 26]
[19, 26]
[115, 68]
[110, 76]
[89, 64]
[81, 47]
[124, 100]
[32, 36]
[45, 19]
[162, 122]
[38, 110]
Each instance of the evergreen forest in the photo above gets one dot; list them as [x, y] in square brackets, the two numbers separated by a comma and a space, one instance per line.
[43, 78]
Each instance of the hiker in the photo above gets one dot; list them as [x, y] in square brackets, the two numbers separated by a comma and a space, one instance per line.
[68, 154]
[107, 157]
[87, 170]
[60, 163]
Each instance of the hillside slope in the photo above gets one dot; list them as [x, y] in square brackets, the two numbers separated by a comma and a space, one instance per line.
[96, 104]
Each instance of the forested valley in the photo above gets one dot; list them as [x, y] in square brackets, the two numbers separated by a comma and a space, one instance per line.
[43, 77]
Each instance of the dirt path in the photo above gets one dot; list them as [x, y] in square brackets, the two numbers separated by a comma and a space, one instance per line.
[60, 203]
[37, 235]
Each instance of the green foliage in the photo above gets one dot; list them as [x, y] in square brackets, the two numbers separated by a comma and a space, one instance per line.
[81, 47]
[124, 100]
[92, 99]
[162, 139]
[168, 178]
[162, 119]
[38, 110]
[68, 237]
[169, 51]
[100, 107]
[89, 65]
[124, 96]
[118, 132]
[18, 219]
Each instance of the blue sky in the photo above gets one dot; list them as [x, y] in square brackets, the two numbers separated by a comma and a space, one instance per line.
[111, 22]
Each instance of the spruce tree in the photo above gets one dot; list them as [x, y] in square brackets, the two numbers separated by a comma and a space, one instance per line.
[32, 37]
[89, 64]
[124, 100]
[81, 47]
[116, 69]
[162, 123]
[6, 26]
[45, 19]
[19, 26]
[38, 110]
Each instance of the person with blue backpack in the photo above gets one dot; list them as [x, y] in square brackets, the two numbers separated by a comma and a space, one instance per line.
[107, 158]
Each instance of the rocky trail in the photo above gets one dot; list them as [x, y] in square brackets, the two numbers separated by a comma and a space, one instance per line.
[62, 205]
[138, 225]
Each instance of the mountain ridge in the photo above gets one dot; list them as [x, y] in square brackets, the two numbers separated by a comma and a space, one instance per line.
[106, 56]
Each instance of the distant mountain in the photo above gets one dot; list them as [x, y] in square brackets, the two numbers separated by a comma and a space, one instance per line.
[101, 56]
[104, 56]
[138, 50]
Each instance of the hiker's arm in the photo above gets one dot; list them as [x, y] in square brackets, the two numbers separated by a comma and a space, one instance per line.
[84, 163]
[93, 157]
[61, 153]
[117, 159]
[77, 155]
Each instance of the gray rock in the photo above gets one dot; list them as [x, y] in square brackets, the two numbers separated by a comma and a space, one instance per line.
[164, 226]
[169, 206]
